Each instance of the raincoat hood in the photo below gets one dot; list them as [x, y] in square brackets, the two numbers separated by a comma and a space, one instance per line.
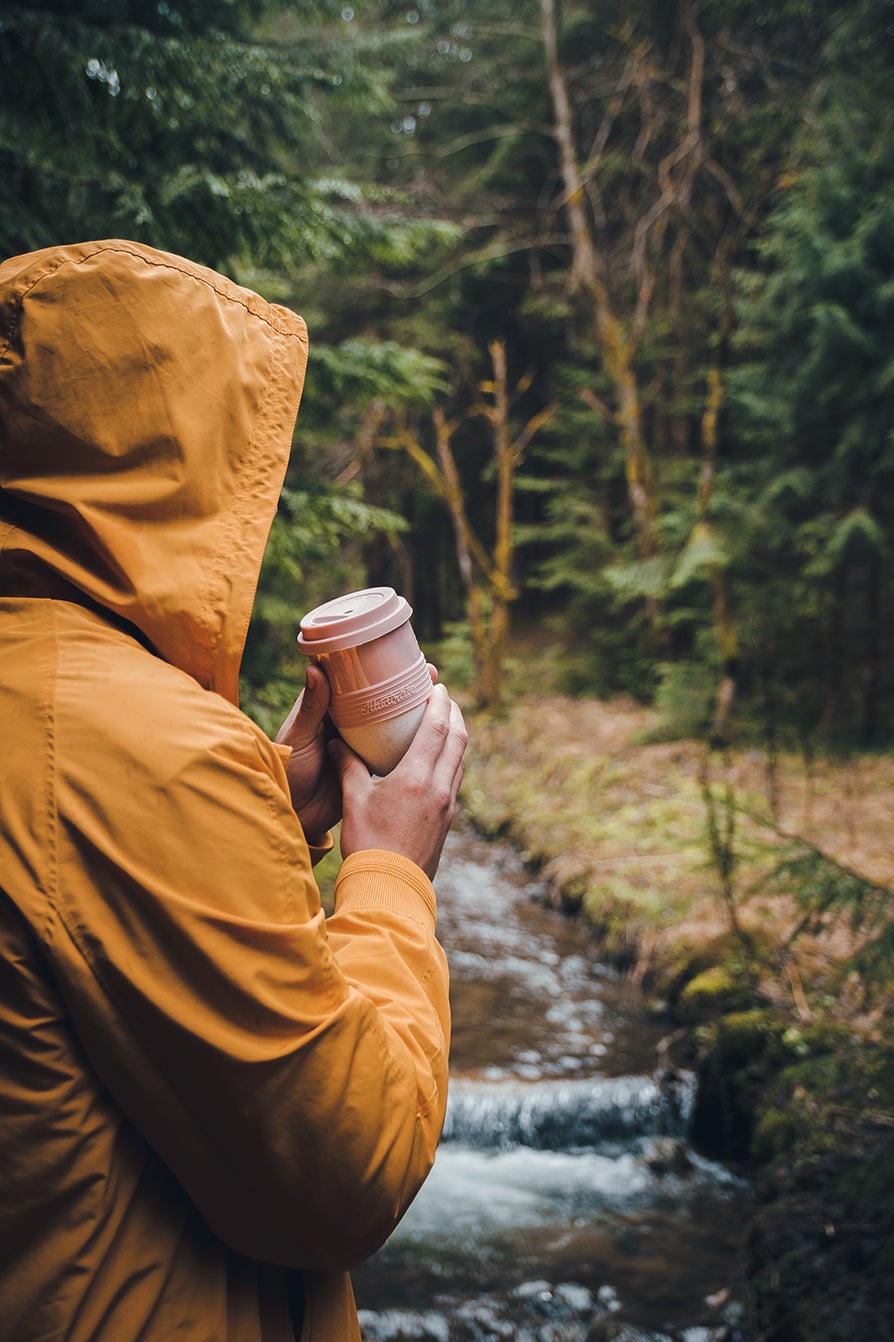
[146, 415]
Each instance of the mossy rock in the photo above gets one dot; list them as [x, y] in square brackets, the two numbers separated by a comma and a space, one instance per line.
[739, 1056]
[713, 951]
[741, 1038]
[776, 1131]
[685, 964]
[714, 992]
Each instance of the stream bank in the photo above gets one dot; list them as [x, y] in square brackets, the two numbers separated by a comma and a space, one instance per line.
[793, 1065]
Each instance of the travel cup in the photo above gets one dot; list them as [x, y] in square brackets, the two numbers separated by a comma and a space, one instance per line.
[378, 677]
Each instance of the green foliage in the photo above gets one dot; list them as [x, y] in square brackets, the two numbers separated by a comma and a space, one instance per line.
[311, 556]
[811, 397]
[701, 556]
[452, 654]
[826, 890]
[365, 370]
[392, 173]
[684, 698]
[312, 524]
[194, 126]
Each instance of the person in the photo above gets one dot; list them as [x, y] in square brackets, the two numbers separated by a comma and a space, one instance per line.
[215, 1101]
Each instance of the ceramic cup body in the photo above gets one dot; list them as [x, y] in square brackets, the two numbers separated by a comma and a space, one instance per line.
[378, 677]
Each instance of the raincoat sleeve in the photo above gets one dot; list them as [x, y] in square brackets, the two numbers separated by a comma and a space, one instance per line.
[319, 850]
[292, 1074]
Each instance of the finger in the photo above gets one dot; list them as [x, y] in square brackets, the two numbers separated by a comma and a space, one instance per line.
[459, 732]
[437, 710]
[433, 672]
[428, 742]
[451, 762]
[351, 770]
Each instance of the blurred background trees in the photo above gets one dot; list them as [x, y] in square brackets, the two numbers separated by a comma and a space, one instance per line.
[675, 222]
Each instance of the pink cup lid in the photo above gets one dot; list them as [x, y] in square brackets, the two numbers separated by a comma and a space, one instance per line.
[356, 617]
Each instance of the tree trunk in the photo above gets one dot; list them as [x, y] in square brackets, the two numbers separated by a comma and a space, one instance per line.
[503, 541]
[588, 275]
[486, 578]
[724, 630]
[455, 500]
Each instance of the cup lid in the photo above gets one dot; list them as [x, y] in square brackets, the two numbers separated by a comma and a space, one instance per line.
[356, 617]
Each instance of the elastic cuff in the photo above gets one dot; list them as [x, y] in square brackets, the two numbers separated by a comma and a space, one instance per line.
[377, 878]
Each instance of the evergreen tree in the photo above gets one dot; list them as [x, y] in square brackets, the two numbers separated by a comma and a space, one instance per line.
[188, 124]
[813, 401]
[223, 131]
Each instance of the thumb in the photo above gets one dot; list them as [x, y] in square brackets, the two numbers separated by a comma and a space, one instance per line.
[308, 711]
[314, 698]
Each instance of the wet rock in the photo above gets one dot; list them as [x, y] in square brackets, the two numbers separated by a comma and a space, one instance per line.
[400, 1325]
[607, 1297]
[483, 1320]
[529, 1289]
[609, 1330]
[576, 1297]
[665, 1155]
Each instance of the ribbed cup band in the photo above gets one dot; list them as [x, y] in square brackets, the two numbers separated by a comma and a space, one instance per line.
[391, 698]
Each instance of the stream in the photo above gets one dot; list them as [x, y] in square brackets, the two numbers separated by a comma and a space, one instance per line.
[565, 1203]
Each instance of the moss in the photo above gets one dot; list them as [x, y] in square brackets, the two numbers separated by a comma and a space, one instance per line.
[686, 960]
[738, 1056]
[773, 1088]
[742, 1038]
[776, 1131]
[830, 1092]
[715, 991]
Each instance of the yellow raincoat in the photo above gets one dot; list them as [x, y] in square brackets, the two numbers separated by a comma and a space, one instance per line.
[204, 1084]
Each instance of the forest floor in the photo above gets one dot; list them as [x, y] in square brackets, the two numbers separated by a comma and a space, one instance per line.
[615, 816]
[746, 942]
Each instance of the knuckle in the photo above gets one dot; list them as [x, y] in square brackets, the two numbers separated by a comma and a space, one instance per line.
[441, 726]
[442, 798]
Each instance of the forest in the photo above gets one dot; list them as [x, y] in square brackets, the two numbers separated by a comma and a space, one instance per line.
[599, 300]
[601, 307]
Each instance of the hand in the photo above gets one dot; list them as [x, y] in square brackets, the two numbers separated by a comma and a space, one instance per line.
[410, 810]
[313, 779]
